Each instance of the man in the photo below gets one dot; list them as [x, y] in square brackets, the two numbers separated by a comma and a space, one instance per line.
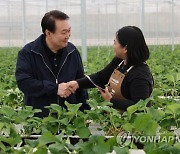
[44, 65]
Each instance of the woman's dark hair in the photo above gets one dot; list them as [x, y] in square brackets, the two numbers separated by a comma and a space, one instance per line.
[48, 21]
[137, 50]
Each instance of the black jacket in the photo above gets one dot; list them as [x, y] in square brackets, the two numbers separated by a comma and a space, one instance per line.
[137, 84]
[37, 81]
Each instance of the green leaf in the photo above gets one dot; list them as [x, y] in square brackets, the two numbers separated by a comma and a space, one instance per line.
[151, 129]
[93, 103]
[128, 127]
[112, 142]
[83, 132]
[19, 119]
[79, 122]
[70, 129]
[106, 108]
[32, 143]
[47, 138]
[93, 115]
[106, 103]
[132, 109]
[168, 138]
[11, 140]
[2, 146]
[86, 147]
[144, 123]
[56, 108]
[41, 150]
[177, 145]
[177, 76]
[101, 147]
[64, 121]
[1, 125]
[173, 108]
[29, 108]
[48, 119]
[121, 150]
[156, 114]
[167, 123]
[57, 148]
[170, 77]
[8, 111]
[73, 107]
[151, 148]
[142, 104]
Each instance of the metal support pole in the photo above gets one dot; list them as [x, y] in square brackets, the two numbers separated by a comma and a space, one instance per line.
[9, 36]
[24, 22]
[83, 30]
[172, 26]
[107, 30]
[142, 15]
[99, 32]
[157, 23]
[46, 5]
[117, 15]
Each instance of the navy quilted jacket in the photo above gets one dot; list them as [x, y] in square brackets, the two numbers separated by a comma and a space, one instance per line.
[37, 81]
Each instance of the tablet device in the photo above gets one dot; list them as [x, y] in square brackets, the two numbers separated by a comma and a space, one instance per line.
[95, 84]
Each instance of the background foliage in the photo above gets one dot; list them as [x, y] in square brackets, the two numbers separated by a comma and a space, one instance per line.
[69, 131]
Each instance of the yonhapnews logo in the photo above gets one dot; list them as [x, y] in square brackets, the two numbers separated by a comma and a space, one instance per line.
[125, 139]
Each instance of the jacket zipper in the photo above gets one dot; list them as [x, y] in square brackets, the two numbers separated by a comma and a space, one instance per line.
[64, 62]
[56, 78]
[61, 69]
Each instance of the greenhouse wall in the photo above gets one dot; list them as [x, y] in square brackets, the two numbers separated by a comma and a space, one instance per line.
[159, 20]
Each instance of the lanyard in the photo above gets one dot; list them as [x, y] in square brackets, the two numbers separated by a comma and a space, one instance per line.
[127, 69]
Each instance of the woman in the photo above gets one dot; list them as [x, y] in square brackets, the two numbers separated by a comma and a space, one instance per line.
[127, 75]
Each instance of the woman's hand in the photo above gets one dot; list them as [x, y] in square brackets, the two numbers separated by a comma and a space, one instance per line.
[73, 85]
[106, 94]
[66, 89]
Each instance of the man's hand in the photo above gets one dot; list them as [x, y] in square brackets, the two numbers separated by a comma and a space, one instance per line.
[106, 94]
[66, 89]
[73, 85]
[63, 90]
